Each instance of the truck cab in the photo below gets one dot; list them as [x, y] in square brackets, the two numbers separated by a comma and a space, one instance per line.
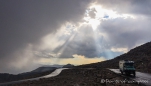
[127, 67]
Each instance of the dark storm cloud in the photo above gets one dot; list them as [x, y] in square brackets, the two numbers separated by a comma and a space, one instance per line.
[92, 13]
[127, 33]
[139, 7]
[27, 21]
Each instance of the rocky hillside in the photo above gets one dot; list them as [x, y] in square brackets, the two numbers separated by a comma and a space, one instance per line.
[141, 55]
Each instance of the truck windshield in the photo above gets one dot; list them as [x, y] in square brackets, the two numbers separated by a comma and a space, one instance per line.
[129, 64]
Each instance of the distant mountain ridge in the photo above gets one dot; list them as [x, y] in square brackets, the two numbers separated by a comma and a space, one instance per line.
[54, 65]
[68, 66]
[41, 71]
[44, 69]
[38, 72]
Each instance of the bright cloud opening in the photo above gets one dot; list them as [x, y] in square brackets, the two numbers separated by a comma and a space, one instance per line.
[96, 14]
[77, 60]
[124, 50]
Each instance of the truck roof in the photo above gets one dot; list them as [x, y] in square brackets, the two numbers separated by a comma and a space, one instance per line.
[126, 61]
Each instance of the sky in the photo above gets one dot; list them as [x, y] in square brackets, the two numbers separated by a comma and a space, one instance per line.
[46, 32]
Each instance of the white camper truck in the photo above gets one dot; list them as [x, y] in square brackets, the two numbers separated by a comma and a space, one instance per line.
[127, 67]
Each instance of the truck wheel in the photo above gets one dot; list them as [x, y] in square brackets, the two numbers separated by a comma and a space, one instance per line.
[127, 74]
[134, 74]
[122, 72]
